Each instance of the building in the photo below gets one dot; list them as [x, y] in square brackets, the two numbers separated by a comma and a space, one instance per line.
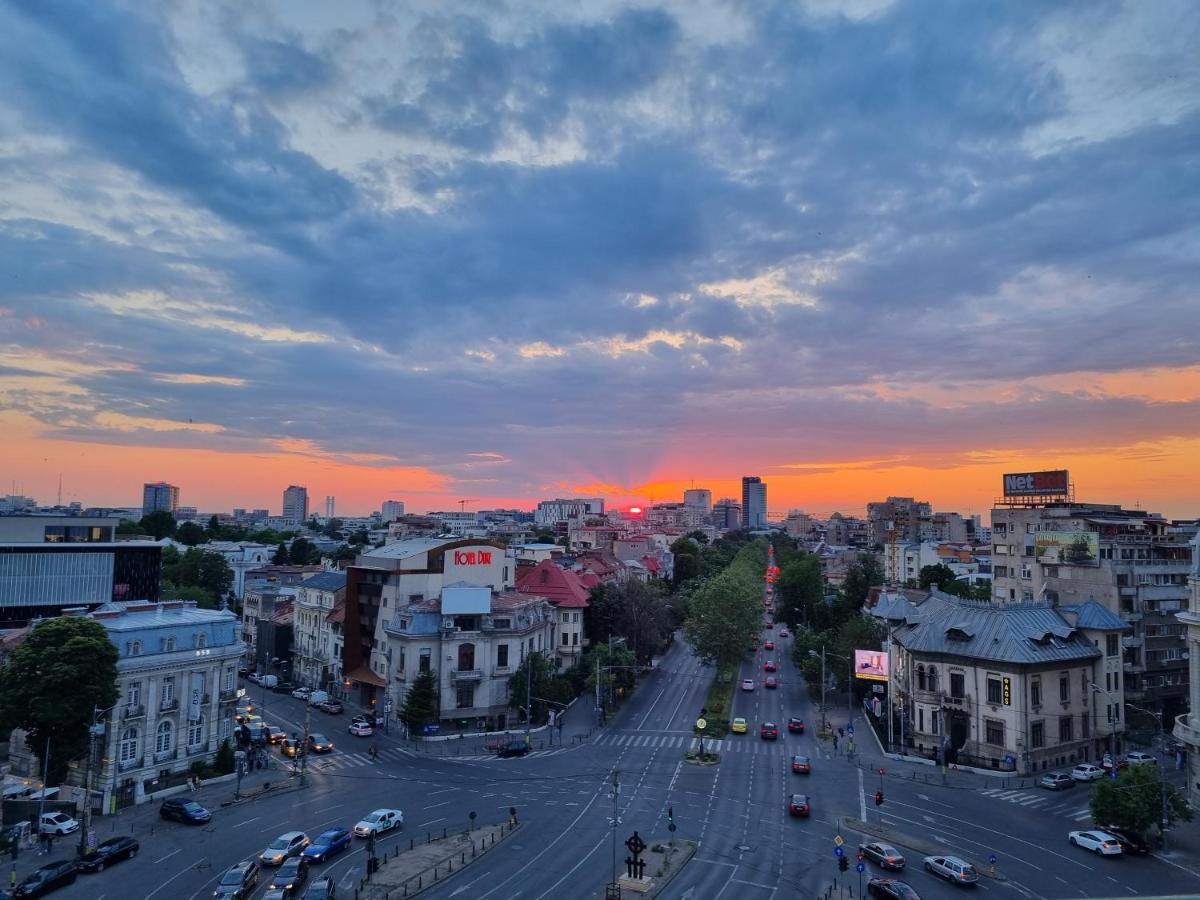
[1022, 687]
[569, 595]
[159, 496]
[295, 503]
[1187, 725]
[944, 527]
[1133, 562]
[897, 519]
[754, 502]
[801, 526]
[558, 513]
[186, 514]
[392, 510]
[460, 523]
[330, 506]
[699, 499]
[57, 529]
[727, 514]
[243, 557]
[317, 649]
[41, 580]
[846, 531]
[259, 604]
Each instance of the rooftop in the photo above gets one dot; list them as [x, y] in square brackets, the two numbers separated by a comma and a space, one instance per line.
[325, 581]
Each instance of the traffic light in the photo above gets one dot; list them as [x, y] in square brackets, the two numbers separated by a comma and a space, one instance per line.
[671, 815]
[879, 798]
[843, 864]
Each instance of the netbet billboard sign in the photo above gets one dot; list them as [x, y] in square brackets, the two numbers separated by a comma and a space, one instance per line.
[1037, 484]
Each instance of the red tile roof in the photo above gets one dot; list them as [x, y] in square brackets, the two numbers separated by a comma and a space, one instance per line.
[560, 587]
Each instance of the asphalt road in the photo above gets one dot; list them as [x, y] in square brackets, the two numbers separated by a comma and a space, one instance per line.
[749, 847]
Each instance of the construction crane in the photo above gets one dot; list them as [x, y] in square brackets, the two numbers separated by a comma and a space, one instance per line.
[462, 504]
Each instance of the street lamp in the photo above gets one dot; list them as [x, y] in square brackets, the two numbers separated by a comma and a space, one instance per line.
[94, 731]
[821, 655]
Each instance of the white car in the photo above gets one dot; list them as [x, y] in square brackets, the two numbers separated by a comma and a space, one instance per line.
[1087, 772]
[1138, 758]
[1099, 842]
[747, 684]
[301, 693]
[361, 729]
[57, 823]
[379, 821]
[952, 869]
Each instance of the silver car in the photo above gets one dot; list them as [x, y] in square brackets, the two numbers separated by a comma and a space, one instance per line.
[1056, 781]
[952, 869]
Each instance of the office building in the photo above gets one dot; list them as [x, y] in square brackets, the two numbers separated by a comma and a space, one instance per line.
[295, 503]
[897, 519]
[557, 513]
[727, 514]
[699, 498]
[392, 510]
[330, 506]
[159, 496]
[754, 502]
[57, 529]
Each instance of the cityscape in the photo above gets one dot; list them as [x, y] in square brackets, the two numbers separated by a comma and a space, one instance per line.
[697, 451]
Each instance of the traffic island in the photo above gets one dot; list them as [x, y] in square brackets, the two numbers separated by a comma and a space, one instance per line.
[407, 871]
[925, 848]
[664, 860]
[696, 758]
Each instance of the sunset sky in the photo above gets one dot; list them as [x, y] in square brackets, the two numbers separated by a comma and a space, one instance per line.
[497, 252]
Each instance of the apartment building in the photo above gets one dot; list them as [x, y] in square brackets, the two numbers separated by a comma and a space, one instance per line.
[316, 631]
[1187, 725]
[896, 518]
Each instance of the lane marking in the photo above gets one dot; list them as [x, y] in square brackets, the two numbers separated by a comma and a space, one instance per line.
[168, 856]
[247, 822]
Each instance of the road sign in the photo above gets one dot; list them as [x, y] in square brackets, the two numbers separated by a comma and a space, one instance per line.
[838, 851]
[838, 841]
[701, 724]
[849, 729]
[992, 859]
[860, 868]
[671, 828]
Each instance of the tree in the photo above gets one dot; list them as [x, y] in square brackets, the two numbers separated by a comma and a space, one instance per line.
[862, 575]
[191, 534]
[360, 537]
[345, 551]
[543, 535]
[615, 669]
[159, 524]
[724, 614]
[331, 529]
[52, 682]
[687, 560]
[1134, 801]
[127, 526]
[197, 594]
[800, 589]
[281, 555]
[303, 552]
[198, 568]
[421, 705]
[698, 536]
[542, 682]
[635, 610]
[225, 761]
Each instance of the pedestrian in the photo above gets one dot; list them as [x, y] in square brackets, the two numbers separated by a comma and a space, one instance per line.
[835, 741]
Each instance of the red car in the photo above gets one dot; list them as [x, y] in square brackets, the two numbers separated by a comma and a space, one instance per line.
[770, 625]
[802, 765]
[795, 726]
[769, 666]
[769, 731]
[771, 682]
[798, 805]
[769, 645]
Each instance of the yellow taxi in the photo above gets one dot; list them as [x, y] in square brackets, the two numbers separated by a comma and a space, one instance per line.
[738, 725]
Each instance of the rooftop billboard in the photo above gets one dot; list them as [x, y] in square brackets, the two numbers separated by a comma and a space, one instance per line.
[1037, 484]
[1067, 548]
[871, 665]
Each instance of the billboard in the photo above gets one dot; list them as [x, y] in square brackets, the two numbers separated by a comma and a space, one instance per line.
[871, 665]
[1067, 548]
[1037, 484]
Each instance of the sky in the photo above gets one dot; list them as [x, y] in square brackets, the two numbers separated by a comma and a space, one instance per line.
[451, 251]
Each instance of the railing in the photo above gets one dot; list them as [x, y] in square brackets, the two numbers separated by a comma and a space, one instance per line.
[133, 712]
[1187, 729]
[467, 675]
[227, 695]
[164, 756]
[129, 764]
[167, 705]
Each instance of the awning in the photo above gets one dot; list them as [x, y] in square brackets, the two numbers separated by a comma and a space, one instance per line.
[366, 676]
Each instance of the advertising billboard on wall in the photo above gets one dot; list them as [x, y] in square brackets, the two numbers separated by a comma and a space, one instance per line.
[871, 665]
[1037, 484]
[1067, 548]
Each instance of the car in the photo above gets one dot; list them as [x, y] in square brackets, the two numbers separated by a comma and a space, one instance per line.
[883, 855]
[1107, 763]
[287, 845]
[290, 877]
[290, 747]
[770, 625]
[333, 707]
[254, 677]
[375, 721]
[57, 823]
[783, 632]
[1129, 841]
[108, 852]
[795, 725]
[1087, 772]
[801, 765]
[747, 684]
[318, 743]
[321, 888]
[245, 715]
[243, 671]
[282, 687]
[1099, 842]
[953, 869]
[1056, 781]
[378, 822]
[329, 842]
[48, 878]
[769, 666]
[513, 748]
[361, 729]
[769, 731]
[180, 809]
[239, 881]
[275, 734]
[798, 805]
[302, 693]
[738, 725]
[891, 889]
[771, 682]
[768, 645]
[1137, 758]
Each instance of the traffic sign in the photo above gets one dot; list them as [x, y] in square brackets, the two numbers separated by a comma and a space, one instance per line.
[701, 724]
[838, 851]
[838, 841]
[849, 729]
[992, 859]
[859, 869]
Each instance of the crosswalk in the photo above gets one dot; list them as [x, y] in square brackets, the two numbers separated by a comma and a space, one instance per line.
[1042, 802]
[339, 761]
[748, 744]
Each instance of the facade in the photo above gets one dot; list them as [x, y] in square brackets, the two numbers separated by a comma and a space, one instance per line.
[754, 502]
[1187, 725]
[727, 514]
[295, 503]
[159, 496]
[700, 499]
[258, 607]
[317, 650]
[58, 529]
[557, 513]
[1023, 687]
[243, 557]
[392, 510]
[897, 519]
[40, 580]
[1133, 562]
[569, 595]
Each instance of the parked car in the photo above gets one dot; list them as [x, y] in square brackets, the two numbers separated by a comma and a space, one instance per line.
[1099, 842]
[1107, 763]
[283, 687]
[769, 731]
[333, 707]
[798, 805]
[883, 855]
[771, 682]
[318, 743]
[289, 878]
[57, 823]
[378, 822]
[1056, 781]
[108, 852]
[747, 684]
[1129, 841]
[48, 878]
[361, 729]
[801, 765]
[322, 888]
[180, 809]
[513, 748]
[302, 693]
[891, 889]
[328, 843]
[738, 725]
[287, 845]
[795, 725]
[254, 677]
[239, 881]
[1137, 758]
[1087, 772]
[953, 869]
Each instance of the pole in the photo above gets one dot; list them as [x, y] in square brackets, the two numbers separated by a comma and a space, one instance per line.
[1162, 775]
[850, 691]
[304, 746]
[45, 778]
[597, 689]
[891, 724]
[528, 696]
[616, 792]
[824, 685]
[87, 784]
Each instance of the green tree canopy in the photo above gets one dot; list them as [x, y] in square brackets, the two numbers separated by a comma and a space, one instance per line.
[191, 534]
[52, 681]
[159, 524]
[611, 669]
[800, 589]
[863, 574]
[636, 610]
[544, 683]
[214, 526]
[128, 526]
[345, 551]
[197, 568]
[724, 614]
[281, 557]
[421, 705]
[303, 552]
[1134, 800]
[698, 536]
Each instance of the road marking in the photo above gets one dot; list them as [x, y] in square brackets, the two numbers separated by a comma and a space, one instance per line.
[862, 798]
[430, 822]
[168, 856]
[247, 822]
[436, 805]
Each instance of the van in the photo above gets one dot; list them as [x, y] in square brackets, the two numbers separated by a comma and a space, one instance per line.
[269, 681]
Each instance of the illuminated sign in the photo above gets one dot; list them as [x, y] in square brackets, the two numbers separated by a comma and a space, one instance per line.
[1067, 548]
[472, 557]
[871, 665]
[1037, 484]
[1006, 690]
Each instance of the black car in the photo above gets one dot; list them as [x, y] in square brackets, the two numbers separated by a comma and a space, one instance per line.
[238, 881]
[108, 852]
[181, 809]
[1129, 841]
[321, 889]
[48, 878]
[283, 687]
[891, 889]
[290, 877]
[513, 748]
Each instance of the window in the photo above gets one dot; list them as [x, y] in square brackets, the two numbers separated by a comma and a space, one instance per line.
[1086, 731]
[995, 731]
[993, 693]
[1037, 734]
[195, 734]
[135, 648]
[1035, 692]
[424, 661]
[1112, 644]
[503, 624]
[957, 685]
[575, 638]
[133, 694]
[466, 657]
[920, 719]
[168, 645]
[164, 739]
[1064, 689]
[933, 678]
[202, 640]
[1116, 681]
[502, 655]
[566, 640]
[920, 678]
[168, 689]
[1066, 730]
[465, 696]
[227, 680]
[129, 745]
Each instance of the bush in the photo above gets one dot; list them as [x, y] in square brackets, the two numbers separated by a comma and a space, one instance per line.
[225, 763]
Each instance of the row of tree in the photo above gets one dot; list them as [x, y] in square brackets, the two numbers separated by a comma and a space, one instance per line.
[724, 611]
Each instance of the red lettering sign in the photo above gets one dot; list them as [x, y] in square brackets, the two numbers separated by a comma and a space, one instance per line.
[472, 557]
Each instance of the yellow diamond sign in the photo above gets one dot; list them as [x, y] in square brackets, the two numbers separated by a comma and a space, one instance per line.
[838, 841]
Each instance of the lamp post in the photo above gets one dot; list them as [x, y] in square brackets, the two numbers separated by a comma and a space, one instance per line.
[93, 732]
[814, 653]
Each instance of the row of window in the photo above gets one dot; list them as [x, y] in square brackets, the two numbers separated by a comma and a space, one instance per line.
[166, 685]
[166, 645]
[164, 740]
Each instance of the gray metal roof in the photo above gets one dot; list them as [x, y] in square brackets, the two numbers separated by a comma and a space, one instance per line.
[1094, 616]
[1024, 633]
[407, 548]
[325, 581]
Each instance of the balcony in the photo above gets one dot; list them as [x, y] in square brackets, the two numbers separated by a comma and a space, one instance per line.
[1187, 729]
[466, 675]
[168, 705]
[164, 756]
[133, 712]
[1131, 642]
[569, 650]
[228, 695]
[129, 764]
[500, 671]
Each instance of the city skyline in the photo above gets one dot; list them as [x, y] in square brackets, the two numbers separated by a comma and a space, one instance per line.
[507, 254]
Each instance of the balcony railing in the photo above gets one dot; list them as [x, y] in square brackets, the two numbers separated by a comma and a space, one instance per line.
[133, 712]
[228, 695]
[129, 764]
[164, 756]
[1187, 729]
[569, 649]
[168, 705]
[467, 675]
